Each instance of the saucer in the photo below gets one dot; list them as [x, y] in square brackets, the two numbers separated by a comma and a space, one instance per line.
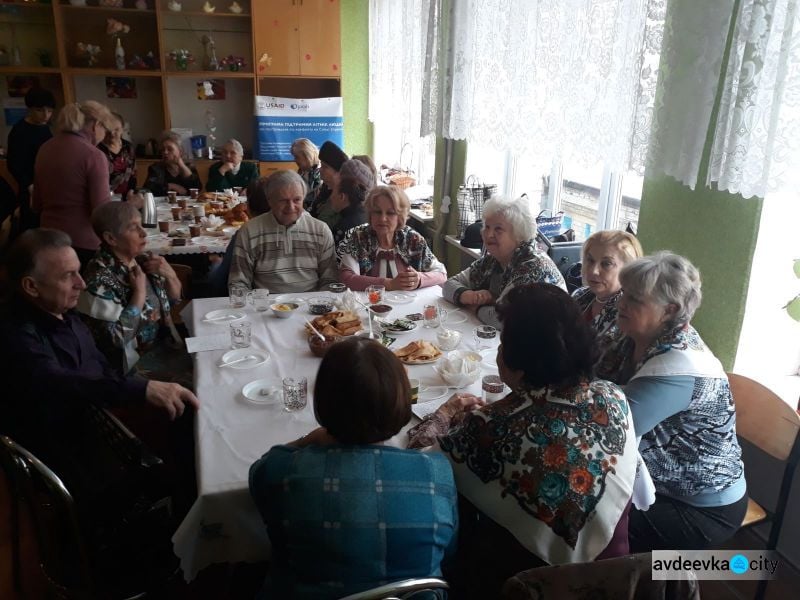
[262, 392]
[261, 357]
[224, 315]
[400, 297]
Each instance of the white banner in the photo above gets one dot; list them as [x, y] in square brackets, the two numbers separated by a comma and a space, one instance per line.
[280, 121]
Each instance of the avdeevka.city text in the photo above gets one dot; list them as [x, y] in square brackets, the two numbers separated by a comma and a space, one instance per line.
[713, 563]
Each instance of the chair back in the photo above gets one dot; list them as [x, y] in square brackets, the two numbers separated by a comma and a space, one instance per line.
[62, 554]
[763, 418]
[400, 590]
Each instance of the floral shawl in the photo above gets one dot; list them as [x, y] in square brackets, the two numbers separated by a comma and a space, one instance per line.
[555, 467]
[527, 265]
[607, 317]
[119, 329]
[122, 168]
[362, 244]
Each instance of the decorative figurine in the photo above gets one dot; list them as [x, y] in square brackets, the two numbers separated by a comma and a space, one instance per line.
[235, 8]
[174, 6]
[209, 8]
[210, 63]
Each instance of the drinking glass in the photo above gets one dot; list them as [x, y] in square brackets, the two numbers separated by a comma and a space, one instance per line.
[237, 296]
[433, 315]
[375, 293]
[240, 334]
[492, 388]
[259, 299]
[295, 393]
[483, 334]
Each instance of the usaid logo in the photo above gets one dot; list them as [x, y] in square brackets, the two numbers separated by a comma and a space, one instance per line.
[270, 105]
[299, 106]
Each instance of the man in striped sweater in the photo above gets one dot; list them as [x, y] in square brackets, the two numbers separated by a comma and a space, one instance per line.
[286, 249]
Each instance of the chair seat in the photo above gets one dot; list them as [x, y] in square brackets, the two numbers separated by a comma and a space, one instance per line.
[754, 513]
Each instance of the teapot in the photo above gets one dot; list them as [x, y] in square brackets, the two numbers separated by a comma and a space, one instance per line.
[149, 215]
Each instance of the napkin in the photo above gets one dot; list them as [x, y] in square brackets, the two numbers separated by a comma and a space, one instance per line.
[459, 369]
[348, 300]
[212, 221]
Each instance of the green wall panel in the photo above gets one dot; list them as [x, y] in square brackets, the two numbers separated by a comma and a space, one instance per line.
[355, 76]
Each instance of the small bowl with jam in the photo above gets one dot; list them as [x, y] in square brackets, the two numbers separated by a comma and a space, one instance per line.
[283, 310]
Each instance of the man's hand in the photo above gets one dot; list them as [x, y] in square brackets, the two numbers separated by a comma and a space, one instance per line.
[476, 298]
[170, 397]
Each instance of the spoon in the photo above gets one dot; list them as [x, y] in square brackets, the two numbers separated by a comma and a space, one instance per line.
[314, 329]
[238, 360]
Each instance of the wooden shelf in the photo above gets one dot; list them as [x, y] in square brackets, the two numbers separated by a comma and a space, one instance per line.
[32, 70]
[211, 74]
[200, 13]
[78, 71]
[107, 9]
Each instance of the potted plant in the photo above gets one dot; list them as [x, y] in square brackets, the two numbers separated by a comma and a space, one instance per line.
[233, 63]
[182, 58]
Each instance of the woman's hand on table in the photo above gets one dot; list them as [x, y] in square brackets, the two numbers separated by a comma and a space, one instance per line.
[406, 280]
[459, 403]
[476, 298]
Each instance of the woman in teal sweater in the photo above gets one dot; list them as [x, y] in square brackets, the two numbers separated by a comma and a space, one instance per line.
[231, 172]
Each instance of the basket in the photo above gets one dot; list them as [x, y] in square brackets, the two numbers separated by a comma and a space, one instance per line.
[403, 175]
[549, 225]
[402, 180]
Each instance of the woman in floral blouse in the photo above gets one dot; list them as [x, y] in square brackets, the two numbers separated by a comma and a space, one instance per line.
[511, 259]
[127, 298]
[547, 472]
[385, 251]
[121, 159]
[604, 253]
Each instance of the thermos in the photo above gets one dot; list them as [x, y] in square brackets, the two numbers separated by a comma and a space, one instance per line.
[149, 216]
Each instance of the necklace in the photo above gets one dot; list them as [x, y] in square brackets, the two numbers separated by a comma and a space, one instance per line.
[603, 302]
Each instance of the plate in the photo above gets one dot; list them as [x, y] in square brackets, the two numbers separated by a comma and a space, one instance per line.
[229, 230]
[252, 392]
[260, 358]
[400, 297]
[388, 330]
[223, 315]
[434, 392]
[455, 317]
[419, 362]
[287, 298]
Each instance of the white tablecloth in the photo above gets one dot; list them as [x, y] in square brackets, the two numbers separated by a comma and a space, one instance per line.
[231, 433]
[161, 244]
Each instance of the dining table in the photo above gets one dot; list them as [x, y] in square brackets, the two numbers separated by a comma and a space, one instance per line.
[232, 431]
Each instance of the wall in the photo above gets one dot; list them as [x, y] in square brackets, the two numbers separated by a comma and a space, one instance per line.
[717, 232]
[355, 76]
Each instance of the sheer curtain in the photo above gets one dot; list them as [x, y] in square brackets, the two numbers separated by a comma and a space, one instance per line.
[573, 80]
[756, 146]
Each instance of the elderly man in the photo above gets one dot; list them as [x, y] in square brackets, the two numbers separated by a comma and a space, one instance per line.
[286, 249]
[48, 354]
[231, 172]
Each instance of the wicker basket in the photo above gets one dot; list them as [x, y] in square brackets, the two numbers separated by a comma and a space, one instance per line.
[402, 180]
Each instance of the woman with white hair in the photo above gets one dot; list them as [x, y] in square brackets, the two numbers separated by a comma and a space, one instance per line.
[172, 172]
[511, 259]
[682, 409]
[231, 172]
[306, 157]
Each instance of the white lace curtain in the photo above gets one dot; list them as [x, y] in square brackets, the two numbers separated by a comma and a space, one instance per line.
[756, 145]
[543, 78]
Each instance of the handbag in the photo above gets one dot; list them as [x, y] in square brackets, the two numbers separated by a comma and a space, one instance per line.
[549, 225]
[466, 213]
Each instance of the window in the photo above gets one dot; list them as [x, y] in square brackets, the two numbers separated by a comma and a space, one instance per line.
[592, 198]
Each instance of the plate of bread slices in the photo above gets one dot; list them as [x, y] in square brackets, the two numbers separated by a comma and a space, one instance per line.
[338, 322]
[419, 352]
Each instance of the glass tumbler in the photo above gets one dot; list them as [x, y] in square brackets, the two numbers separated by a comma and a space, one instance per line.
[240, 334]
[483, 335]
[237, 296]
[295, 393]
[492, 388]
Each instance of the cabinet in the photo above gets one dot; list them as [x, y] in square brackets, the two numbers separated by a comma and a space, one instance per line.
[298, 38]
[46, 41]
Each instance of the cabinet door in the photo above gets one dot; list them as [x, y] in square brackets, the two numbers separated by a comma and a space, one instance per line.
[275, 31]
[320, 44]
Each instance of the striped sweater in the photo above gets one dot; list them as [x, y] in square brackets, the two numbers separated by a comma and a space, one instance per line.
[298, 258]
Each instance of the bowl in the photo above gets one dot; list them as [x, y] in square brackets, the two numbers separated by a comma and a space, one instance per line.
[460, 369]
[318, 347]
[337, 288]
[381, 310]
[321, 305]
[448, 339]
[283, 310]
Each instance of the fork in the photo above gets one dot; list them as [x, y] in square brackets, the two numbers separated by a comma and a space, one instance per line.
[238, 360]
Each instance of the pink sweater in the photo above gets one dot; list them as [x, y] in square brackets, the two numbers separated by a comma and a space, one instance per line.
[70, 179]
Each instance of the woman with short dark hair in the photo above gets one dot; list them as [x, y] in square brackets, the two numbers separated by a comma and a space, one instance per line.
[344, 512]
[547, 472]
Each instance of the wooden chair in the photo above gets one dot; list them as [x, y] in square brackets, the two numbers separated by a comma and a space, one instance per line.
[399, 590]
[772, 426]
[184, 273]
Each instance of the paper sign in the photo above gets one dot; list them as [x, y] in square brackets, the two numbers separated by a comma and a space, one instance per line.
[203, 343]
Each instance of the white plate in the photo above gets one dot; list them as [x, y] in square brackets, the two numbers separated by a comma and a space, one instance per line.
[224, 315]
[260, 358]
[389, 331]
[430, 393]
[252, 392]
[284, 298]
[229, 230]
[419, 362]
[400, 297]
[455, 317]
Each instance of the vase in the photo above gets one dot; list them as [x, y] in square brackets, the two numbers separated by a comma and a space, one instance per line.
[182, 64]
[233, 67]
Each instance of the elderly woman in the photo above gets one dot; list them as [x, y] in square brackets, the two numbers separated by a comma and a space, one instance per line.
[604, 253]
[400, 529]
[172, 173]
[347, 199]
[71, 175]
[121, 159]
[682, 409]
[385, 251]
[285, 250]
[549, 469]
[306, 156]
[231, 172]
[511, 259]
[127, 298]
